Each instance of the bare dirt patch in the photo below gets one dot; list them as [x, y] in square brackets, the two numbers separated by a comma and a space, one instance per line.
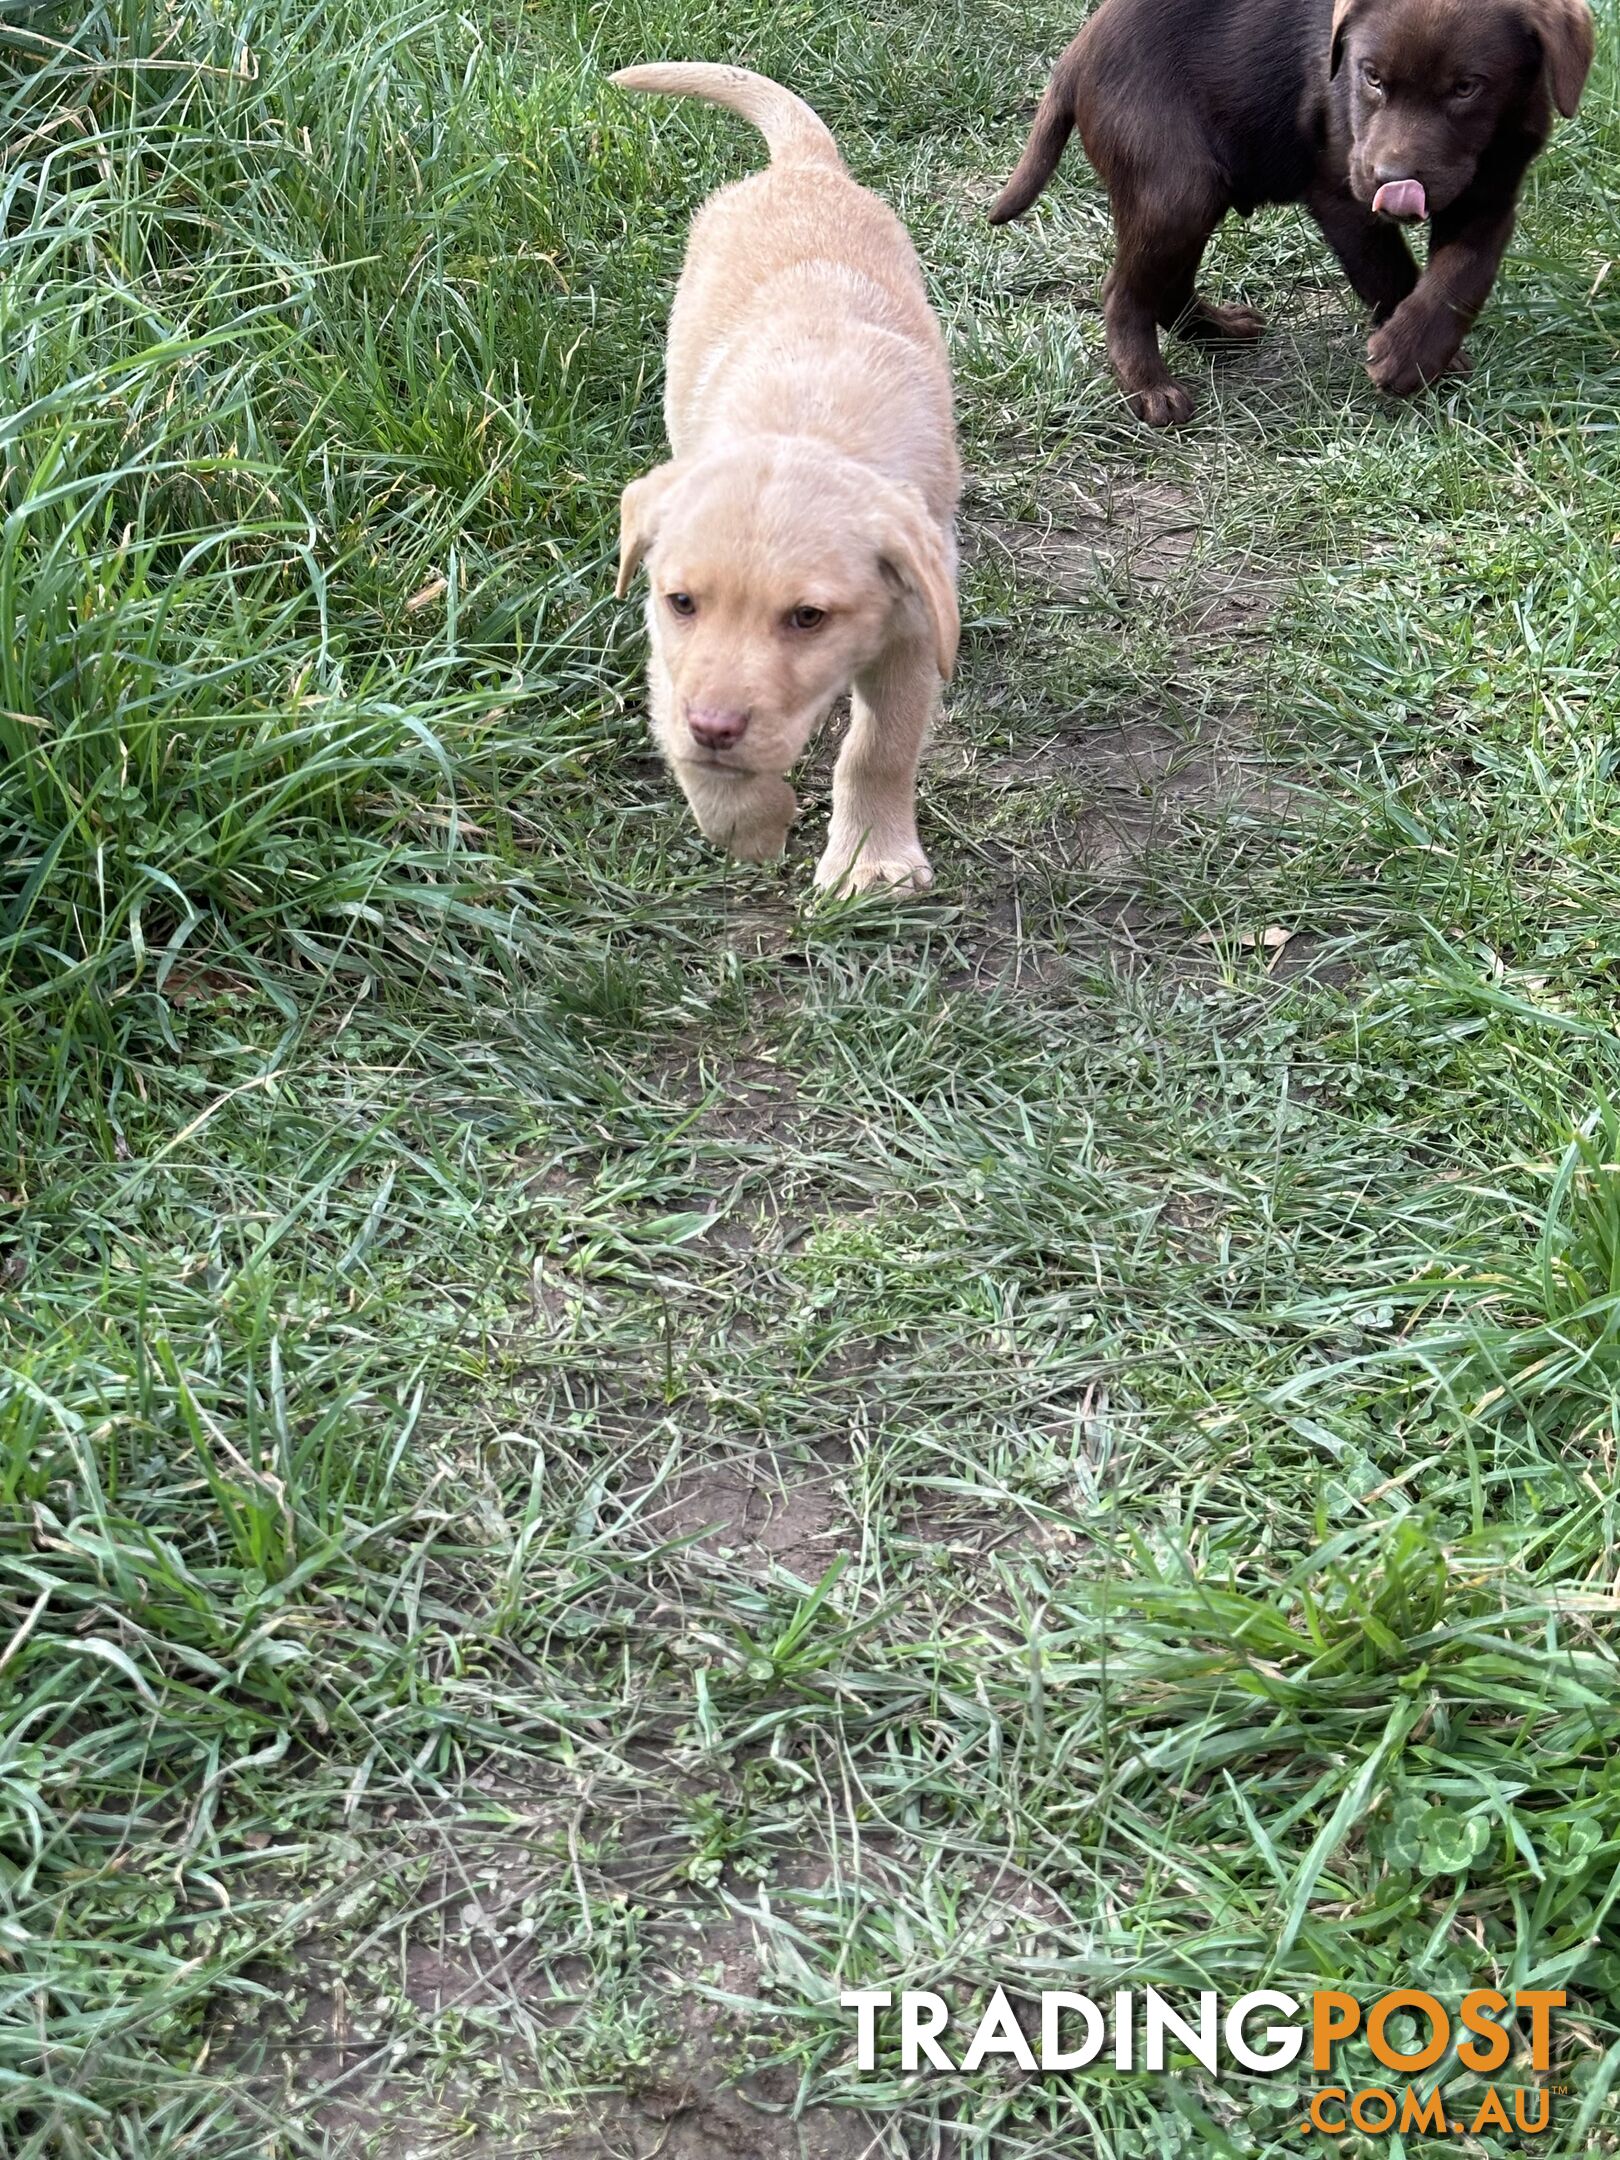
[1086, 524]
[1076, 819]
[756, 1510]
[750, 1099]
[676, 2117]
[687, 2107]
[453, 2023]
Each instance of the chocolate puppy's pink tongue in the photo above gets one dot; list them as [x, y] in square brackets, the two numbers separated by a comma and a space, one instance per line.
[1402, 199]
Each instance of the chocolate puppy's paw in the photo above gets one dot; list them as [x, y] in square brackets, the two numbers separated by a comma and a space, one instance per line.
[1214, 323]
[1404, 357]
[1166, 404]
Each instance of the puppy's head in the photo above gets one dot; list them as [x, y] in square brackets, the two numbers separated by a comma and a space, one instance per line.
[779, 572]
[1430, 82]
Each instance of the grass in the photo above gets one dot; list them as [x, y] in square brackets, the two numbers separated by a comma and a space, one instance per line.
[591, 1453]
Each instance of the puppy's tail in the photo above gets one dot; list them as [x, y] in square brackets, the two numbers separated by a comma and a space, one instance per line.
[1054, 123]
[794, 133]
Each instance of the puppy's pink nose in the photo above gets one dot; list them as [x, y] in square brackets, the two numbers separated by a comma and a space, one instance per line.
[716, 727]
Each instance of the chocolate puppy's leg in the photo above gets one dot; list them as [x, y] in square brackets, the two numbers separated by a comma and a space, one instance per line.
[1185, 311]
[1152, 282]
[1376, 260]
[1423, 338]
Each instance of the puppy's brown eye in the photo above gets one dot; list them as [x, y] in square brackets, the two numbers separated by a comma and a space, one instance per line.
[1464, 90]
[1371, 77]
[680, 603]
[808, 618]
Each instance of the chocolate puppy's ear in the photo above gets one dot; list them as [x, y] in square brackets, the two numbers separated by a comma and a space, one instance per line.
[1568, 42]
[1342, 12]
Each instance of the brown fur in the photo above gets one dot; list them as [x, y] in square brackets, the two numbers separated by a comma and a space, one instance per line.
[808, 404]
[1191, 108]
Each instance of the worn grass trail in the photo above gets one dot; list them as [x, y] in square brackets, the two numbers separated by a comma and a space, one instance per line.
[591, 1453]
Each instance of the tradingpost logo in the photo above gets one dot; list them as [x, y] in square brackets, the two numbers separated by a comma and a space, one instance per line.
[1261, 2033]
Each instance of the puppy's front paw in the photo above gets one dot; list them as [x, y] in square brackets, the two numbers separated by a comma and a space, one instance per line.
[1166, 404]
[898, 866]
[747, 813]
[758, 843]
[1404, 356]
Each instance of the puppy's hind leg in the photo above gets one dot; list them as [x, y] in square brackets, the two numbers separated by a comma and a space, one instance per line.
[1214, 322]
[1152, 283]
[1185, 312]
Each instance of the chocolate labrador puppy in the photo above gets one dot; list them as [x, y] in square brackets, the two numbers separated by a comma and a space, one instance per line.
[1373, 113]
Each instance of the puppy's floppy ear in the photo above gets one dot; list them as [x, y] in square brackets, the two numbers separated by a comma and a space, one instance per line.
[914, 556]
[1568, 42]
[1342, 12]
[640, 507]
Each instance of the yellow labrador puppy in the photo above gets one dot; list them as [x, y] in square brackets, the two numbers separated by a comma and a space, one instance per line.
[800, 542]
